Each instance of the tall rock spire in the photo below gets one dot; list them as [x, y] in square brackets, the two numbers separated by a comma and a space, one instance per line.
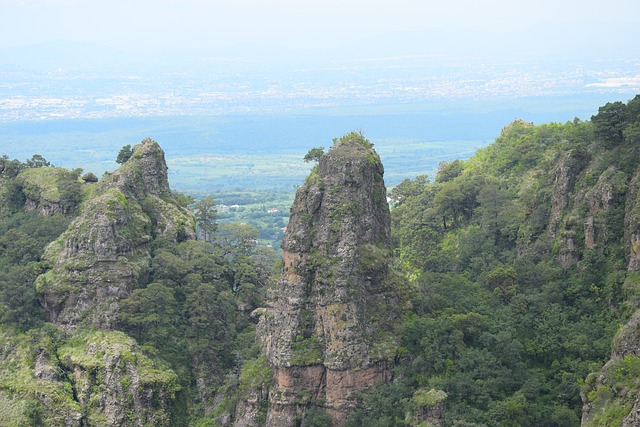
[327, 330]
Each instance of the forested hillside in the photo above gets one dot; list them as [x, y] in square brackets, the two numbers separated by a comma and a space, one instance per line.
[514, 277]
[112, 313]
[523, 263]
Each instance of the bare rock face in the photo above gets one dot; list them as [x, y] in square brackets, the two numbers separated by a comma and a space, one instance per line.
[100, 258]
[613, 392]
[632, 224]
[327, 329]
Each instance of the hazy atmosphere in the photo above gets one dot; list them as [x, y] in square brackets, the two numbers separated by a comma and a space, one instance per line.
[211, 79]
[308, 25]
[337, 213]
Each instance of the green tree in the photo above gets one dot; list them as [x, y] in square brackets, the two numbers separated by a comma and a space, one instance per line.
[125, 154]
[10, 168]
[18, 301]
[316, 417]
[447, 171]
[89, 177]
[37, 161]
[206, 215]
[497, 215]
[610, 122]
[408, 189]
[314, 154]
[182, 199]
[354, 138]
[151, 313]
[237, 238]
[210, 315]
[23, 237]
[70, 193]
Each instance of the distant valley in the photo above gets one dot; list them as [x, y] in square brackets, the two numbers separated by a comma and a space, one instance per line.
[236, 119]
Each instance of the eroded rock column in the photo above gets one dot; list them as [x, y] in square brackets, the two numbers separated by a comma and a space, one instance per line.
[327, 330]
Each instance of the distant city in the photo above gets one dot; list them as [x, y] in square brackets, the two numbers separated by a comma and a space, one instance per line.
[215, 86]
[246, 121]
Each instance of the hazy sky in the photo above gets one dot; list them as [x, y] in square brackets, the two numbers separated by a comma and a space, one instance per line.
[295, 24]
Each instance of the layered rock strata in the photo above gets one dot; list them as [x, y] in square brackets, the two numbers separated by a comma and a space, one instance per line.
[327, 329]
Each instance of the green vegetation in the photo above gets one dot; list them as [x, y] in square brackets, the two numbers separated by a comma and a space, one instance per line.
[356, 138]
[37, 161]
[306, 351]
[314, 154]
[512, 306]
[125, 154]
[206, 215]
[24, 232]
[613, 400]
[254, 375]
[187, 322]
[515, 262]
[21, 390]
[423, 398]
[267, 211]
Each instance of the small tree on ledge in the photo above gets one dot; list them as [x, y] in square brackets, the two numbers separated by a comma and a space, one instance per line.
[125, 154]
[314, 154]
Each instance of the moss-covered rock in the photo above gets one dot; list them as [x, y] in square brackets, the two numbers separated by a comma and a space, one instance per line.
[105, 252]
[91, 378]
[115, 383]
[34, 390]
[50, 190]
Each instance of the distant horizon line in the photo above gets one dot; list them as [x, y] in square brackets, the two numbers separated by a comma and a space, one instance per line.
[548, 38]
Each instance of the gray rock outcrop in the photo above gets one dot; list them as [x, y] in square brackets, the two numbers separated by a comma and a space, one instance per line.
[105, 252]
[327, 329]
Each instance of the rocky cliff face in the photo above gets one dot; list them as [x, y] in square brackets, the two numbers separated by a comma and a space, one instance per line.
[105, 252]
[612, 395]
[327, 329]
[115, 384]
[93, 375]
[96, 378]
[50, 190]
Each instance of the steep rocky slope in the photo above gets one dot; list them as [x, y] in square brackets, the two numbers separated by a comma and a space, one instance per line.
[97, 378]
[326, 332]
[520, 264]
[79, 372]
[525, 258]
[50, 190]
[100, 258]
[612, 395]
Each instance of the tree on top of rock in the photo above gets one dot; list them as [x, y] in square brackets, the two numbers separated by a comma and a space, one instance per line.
[314, 154]
[125, 154]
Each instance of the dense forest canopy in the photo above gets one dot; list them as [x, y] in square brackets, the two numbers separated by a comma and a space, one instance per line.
[518, 261]
[518, 264]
